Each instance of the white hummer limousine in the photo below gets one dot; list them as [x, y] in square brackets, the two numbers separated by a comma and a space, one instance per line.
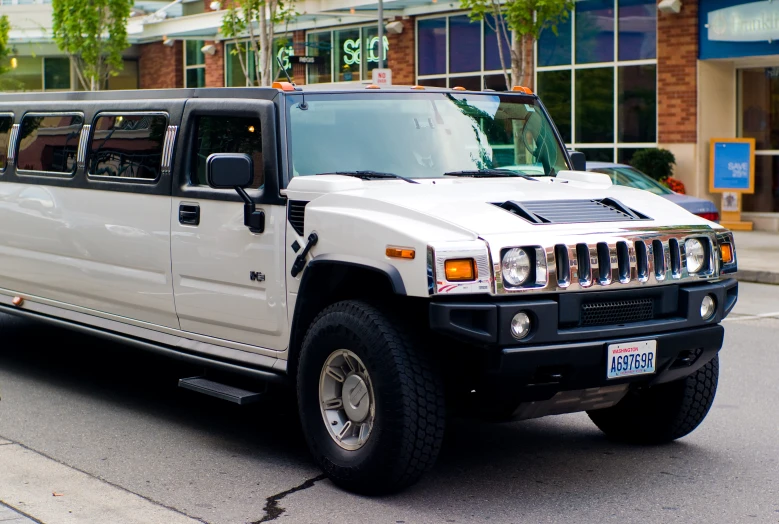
[397, 255]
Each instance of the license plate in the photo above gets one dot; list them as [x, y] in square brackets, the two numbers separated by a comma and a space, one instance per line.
[631, 358]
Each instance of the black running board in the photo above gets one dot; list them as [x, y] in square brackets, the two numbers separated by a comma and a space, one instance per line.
[219, 390]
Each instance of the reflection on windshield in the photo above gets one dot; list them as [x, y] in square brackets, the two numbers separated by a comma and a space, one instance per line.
[627, 176]
[422, 135]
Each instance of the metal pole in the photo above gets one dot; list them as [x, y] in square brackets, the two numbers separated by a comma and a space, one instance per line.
[381, 34]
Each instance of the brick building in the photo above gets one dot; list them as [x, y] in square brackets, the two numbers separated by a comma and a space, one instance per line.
[619, 75]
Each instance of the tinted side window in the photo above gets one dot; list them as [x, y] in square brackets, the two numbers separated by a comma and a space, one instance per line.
[6, 122]
[49, 143]
[127, 146]
[227, 134]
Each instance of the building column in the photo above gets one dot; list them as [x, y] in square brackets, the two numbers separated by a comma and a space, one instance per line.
[677, 96]
[215, 66]
[161, 66]
[401, 58]
[299, 46]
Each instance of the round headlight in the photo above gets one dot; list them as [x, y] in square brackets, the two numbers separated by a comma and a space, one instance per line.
[708, 307]
[516, 266]
[520, 325]
[696, 254]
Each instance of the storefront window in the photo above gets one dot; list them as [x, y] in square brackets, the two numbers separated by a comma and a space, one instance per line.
[321, 45]
[431, 43]
[24, 74]
[609, 121]
[234, 75]
[347, 55]
[56, 73]
[370, 38]
[282, 50]
[127, 77]
[194, 64]
[343, 59]
[491, 52]
[464, 45]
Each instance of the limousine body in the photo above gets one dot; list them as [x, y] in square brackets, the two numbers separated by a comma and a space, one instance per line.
[396, 255]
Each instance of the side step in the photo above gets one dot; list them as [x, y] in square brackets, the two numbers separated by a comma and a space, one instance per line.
[219, 390]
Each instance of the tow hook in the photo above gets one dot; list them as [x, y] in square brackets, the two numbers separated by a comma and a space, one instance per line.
[300, 261]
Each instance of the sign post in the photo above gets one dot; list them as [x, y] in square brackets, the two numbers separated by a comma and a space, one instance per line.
[732, 173]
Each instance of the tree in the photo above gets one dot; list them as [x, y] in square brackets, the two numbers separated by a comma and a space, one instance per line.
[5, 28]
[257, 20]
[93, 33]
[518, 23]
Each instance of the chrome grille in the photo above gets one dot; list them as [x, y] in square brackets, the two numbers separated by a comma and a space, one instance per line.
[616, 312]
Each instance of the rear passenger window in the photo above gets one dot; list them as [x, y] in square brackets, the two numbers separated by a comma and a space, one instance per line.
[127, 146]
[49, 143]
[6, 122]
[227, 134]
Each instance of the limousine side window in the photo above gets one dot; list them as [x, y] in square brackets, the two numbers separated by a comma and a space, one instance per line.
[127, 146]
[6, 122]
[49, 142]
[227, 134]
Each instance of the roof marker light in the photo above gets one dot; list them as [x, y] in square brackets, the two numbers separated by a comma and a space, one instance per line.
[458, 88]
[420, 88]
[284, 86]
[372, 86]
[523, 89]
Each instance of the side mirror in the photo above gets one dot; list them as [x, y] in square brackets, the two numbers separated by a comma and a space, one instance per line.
[229, 170]
[578, 160]
[236, 171]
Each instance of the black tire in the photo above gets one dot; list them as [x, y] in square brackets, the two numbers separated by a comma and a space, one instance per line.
[661, 413]
[409, 402]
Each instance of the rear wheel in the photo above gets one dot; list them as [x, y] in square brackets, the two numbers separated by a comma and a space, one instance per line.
[370, 402]
[661, 413]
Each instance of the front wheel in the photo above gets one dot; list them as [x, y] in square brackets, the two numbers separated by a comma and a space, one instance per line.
[371, 403]
[661, 413]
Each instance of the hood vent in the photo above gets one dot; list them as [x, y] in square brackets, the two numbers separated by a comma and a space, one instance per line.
[296, 214]
[572, 211]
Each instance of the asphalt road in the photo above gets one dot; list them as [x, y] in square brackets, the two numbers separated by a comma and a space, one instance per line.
[117, 415]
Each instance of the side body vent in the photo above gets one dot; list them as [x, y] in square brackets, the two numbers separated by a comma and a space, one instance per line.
[572, 211]
[296, 214]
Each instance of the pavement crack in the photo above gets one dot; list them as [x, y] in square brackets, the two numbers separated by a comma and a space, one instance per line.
[273, 510]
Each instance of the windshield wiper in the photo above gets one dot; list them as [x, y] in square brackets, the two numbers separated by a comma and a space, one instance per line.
[370, 175]
[490, 173]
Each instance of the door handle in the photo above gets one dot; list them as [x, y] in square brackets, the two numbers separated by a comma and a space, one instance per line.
[189, 214]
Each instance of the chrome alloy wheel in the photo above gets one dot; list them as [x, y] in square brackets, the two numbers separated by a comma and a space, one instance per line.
[346, 399]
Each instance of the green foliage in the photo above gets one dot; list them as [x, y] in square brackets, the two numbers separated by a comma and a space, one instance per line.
[5, 28]
[525, 17]
[657, 163]
[94, 34]
[246, 18]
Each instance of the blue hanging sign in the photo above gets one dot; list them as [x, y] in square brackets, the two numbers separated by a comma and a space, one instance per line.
[732, 165]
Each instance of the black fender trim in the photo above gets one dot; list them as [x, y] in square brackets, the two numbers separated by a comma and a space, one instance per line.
[389, 270]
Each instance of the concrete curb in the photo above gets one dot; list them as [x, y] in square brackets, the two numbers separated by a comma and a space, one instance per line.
[758, 277]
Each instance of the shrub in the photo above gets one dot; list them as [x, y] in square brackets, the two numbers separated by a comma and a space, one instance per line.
[657, 163]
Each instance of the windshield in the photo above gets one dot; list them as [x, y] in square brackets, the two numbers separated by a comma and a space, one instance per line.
[422, 135]
[628, 176]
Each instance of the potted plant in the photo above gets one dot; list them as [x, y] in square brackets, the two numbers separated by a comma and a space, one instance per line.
[658, 164]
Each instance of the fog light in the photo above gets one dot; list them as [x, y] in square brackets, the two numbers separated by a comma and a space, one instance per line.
[520, 325]
[708, 307]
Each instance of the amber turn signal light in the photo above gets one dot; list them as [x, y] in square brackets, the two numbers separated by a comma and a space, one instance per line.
[400, 252]
[460, 270]
[727, 253]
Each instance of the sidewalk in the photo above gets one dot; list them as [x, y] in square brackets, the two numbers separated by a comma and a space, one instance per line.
[758, 256]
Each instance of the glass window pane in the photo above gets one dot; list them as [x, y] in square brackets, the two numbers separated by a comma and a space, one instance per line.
[127, 146]
[637, 104]
[193, 54]
[759, 91]
[597, 154]
[347, 55]
[227, 134]
[56, 73]
[464, 45]
[432, 82]
[555, 49]
[370, 36]
[625, 154]
[127, 77]
[637, 29]
[471, 83]
[234, 76]
[491, 50]
[6, 122]
[496, 82]
[431, 46]
[49, 143]
[320, 44]
[766, 196]
[594, 31]
[26, 76]
[282, 50]
[594, 105]
[554, 90]
[196, 77]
